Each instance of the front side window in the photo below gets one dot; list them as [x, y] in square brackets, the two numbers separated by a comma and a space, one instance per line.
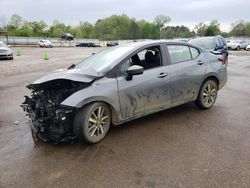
[148, 58]
[179, 53]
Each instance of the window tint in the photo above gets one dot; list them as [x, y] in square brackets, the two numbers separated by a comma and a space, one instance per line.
[194, 52]
[148, 58]
[179, 53]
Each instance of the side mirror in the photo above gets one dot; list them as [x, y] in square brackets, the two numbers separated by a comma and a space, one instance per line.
[134, 70]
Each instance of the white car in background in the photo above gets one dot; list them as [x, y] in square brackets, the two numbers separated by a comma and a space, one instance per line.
[248, 47]
[236, 44]
[5, 51]
[45, 44]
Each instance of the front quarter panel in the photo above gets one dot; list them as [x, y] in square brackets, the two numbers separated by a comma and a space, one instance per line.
[102, 90]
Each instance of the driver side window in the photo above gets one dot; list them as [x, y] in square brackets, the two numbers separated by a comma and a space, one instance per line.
[148, 58]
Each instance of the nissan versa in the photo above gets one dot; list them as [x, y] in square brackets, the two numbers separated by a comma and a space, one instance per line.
[119, 84]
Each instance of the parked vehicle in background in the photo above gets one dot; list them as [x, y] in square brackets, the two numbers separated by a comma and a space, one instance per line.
[87, 44]
[119, 84]
[248, 47]
[45, 44]
[67, 36]
[111, 43]
[237, 44]
[213, 43]
[5, 51]
[181, 39]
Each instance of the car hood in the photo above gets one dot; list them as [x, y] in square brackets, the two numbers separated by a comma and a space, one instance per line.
[79, 75]
[4, 48]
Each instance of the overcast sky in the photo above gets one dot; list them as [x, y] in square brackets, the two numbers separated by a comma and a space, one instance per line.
[186, 12]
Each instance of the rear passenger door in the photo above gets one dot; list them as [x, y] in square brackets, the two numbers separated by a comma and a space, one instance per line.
[186, 69]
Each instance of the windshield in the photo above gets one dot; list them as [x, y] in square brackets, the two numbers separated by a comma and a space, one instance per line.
[103, 59]
[207, 43]
[2, 44]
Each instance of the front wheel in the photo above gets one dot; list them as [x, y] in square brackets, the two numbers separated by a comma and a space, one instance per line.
[207, 95]
[92, 122]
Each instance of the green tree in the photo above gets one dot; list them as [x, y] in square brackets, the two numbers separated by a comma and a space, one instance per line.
[134, 30]
[171, 32]
[160, 22]
[200, 29]
[247, 29]
[238, 28]
[147, 30]
[86, 29]
[16, 21]
[213, 28]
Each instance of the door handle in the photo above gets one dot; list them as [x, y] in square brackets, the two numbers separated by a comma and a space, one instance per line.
[200, 62]
[162, 75]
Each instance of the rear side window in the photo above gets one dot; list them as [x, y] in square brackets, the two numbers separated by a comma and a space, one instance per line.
[179, 53]
[194, 52]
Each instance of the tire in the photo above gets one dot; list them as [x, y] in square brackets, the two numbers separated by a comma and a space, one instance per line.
[207, 94]
[92, 122]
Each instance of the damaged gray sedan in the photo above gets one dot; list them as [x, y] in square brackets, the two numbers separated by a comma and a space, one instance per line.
[119, 84]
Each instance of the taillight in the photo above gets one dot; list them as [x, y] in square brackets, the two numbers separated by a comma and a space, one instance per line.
[223, 59]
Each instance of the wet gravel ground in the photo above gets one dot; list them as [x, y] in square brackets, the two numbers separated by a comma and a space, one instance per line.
[179, 147]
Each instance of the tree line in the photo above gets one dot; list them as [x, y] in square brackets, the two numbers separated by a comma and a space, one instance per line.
[118, 27]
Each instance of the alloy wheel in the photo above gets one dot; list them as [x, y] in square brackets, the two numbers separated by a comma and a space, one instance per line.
[209, 94]
[98, 122]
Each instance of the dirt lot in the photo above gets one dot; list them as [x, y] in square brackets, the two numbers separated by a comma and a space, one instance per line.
[180, 147]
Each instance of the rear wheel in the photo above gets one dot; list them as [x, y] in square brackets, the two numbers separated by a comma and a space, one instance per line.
[207, 95]
[92, 122]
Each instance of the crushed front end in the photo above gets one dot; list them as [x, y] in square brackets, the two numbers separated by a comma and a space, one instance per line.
[50, 120]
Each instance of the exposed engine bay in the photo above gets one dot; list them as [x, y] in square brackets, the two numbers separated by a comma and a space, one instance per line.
[50, 120]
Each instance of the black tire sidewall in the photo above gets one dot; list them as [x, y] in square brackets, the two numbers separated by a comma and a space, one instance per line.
[81, 122]
[199, 101]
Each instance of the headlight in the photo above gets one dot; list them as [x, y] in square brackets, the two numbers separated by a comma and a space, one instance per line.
[9, 51]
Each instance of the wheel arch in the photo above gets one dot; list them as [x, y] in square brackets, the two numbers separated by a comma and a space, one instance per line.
[113, 109]
[209, 77]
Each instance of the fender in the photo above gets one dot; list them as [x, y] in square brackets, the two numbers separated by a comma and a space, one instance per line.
[97, 92]
[210, 74]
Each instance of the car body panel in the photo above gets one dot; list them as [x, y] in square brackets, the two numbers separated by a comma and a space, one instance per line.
[80, 75]
[158, 88]
[144, 92]
[218, 43]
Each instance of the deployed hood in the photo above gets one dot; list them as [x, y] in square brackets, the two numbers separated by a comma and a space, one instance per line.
[78, 75]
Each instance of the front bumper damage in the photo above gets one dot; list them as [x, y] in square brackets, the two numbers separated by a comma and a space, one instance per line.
[50, 120]
[49, 123]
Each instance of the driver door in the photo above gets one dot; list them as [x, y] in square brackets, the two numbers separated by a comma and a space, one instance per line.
[145, 93]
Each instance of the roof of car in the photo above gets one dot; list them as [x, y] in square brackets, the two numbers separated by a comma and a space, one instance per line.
[149, 42]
